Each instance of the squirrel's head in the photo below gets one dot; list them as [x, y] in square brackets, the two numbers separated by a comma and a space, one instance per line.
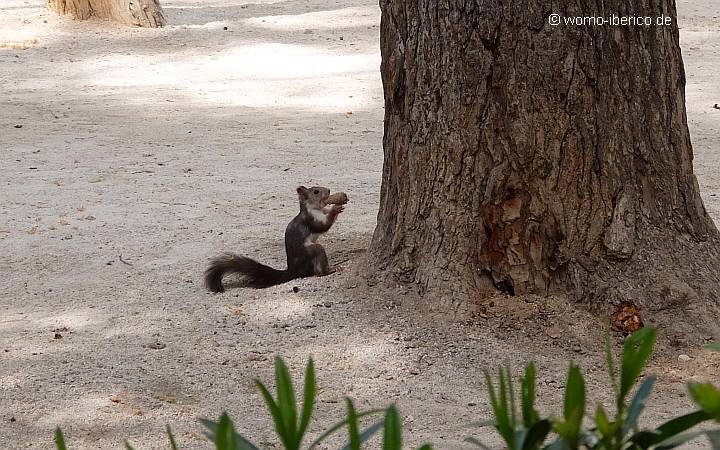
[314, 196]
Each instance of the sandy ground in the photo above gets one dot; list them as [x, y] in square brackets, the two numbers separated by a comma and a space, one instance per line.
[130, 156]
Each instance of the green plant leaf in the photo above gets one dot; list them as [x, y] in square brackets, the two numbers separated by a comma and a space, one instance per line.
[241, 443]
[707, 397]
[644, 439]
[680, 424]
[286, 402]
[477, 443]
[425, 447]
[677, 441]
[368, 432]
[392, 435]
[59, 439]
[511, 396]
[527, 397]
[127, 445]
[536, 435]
[605, 429]
[277, 416]
[637, 405]
[309, 392]
[602, 423]
[574, 408]
[225, 434]
[211, 428]
[636, 351]
[173, 444]
[352, 421]
[499, 405]
[340, 425]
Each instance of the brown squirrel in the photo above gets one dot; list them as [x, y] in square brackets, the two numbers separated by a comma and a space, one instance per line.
[305, 257]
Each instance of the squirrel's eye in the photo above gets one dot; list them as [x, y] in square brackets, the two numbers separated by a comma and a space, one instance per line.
[316, 192]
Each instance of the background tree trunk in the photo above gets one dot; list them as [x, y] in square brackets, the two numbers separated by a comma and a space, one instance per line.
[533, 158]
[141, 13]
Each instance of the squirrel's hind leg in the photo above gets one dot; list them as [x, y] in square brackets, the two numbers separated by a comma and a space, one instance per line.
[319, 259]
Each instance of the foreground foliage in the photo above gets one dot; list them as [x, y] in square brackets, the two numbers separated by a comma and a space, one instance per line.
[520, 430]
[526, 430]
[291, 423]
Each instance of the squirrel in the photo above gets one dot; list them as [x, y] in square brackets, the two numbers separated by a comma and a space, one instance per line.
[305, 257]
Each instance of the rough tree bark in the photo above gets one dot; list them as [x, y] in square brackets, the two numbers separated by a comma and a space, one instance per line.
[533, 158]
[140, 13]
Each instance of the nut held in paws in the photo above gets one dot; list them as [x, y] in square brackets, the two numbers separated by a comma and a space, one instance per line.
[338, 198]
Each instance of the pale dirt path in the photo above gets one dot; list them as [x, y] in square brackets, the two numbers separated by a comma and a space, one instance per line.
[167, 146]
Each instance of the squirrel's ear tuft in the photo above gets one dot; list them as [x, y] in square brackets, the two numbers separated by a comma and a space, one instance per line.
[302, 190]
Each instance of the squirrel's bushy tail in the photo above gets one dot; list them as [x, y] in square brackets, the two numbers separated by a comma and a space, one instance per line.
[253, 273]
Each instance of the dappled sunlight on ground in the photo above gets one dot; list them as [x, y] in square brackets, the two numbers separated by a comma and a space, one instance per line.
[261, 75]
[334, 19]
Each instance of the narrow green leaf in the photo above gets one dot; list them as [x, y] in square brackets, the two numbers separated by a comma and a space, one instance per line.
[574, 407]
[502, 397]
[59, 439]
[536, 435]
[173, 444]
[286, 402]
[340, 425]
[225, 434]
[527, 397]
[477, 443]
[606, 430]
[573, 411]
[638, 404]
[241, 443]
[707, 397]
[352, 421]
[636, 351]
[499, 405]
[209, 424]
[127, 446]
[392, 435]
[602, 423]
[644, 439]
[680, 424]
[211, 428]
[368, 432]
[511, 395]
[276, 415]
[309, 392]
[677, 441]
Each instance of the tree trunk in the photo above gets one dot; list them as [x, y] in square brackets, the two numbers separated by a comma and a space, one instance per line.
[533, 158]
[140, 13]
